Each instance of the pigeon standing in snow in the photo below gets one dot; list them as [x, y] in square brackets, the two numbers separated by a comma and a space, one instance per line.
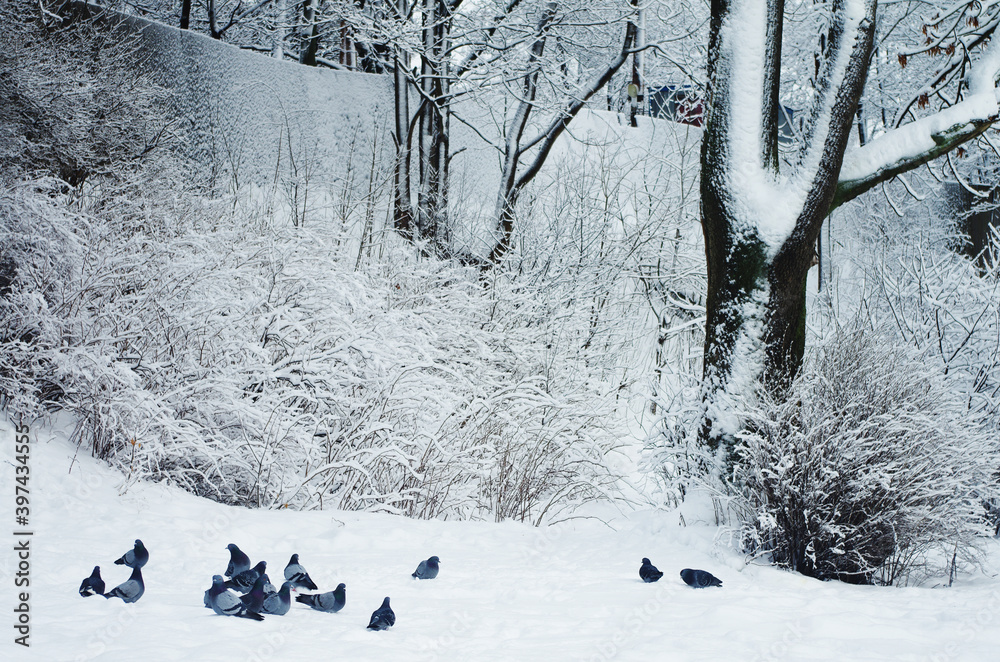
[699, 578]
[238, 561]
[331, 602]
[280, 602]
[227, 603]
[135, 557]
[383, 618]
[268, 586]
[427, 569]
[131, 589]
[254, 600]
[243, 581]
[648, 572]
[93, 585]
[297, 575]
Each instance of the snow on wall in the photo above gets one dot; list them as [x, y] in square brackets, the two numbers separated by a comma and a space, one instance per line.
[239, 108]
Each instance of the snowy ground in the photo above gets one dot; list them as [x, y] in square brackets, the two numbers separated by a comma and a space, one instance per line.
[505, 592]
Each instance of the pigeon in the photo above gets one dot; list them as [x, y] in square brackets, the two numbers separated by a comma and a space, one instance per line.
[93, 585]
[427, 569]
[331, 602]
[243, 581]
[699, 578]
[131, 589]
[268, 586]
[648, 572]
[279, 603]
[238, 561]
[383, 618]
[135, 557]
[254, 600]
[227, 603]
[296, 574]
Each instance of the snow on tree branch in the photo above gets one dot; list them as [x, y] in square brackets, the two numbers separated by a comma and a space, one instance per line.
[923, 140]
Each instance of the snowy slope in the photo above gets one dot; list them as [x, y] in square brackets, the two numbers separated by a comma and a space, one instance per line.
[505, 592]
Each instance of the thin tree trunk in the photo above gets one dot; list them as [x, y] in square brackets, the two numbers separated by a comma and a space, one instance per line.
[402, 211]
[185, 14]
[432, 199]
[310, 33]
[280, 30]
[213, 21]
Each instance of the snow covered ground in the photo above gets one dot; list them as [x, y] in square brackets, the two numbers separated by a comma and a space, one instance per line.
[506, 591]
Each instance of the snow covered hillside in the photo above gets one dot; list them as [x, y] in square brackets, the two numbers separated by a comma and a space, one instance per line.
[505, 592]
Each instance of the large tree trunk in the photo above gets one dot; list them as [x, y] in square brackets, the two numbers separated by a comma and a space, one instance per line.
[755, 326]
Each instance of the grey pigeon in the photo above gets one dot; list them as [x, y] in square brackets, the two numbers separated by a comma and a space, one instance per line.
[238, 561]
[93, 585]
[332, 601]
[227, 603]
[279, 603]
[427, 569]
[254, 600]
[135, 557]
[699, 578]
[131, 589]
[295, 573]
[243, 581]
[268, 586]
[383, 618]
[648, 572]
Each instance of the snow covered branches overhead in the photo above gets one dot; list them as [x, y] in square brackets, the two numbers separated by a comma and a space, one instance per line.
[962, 35]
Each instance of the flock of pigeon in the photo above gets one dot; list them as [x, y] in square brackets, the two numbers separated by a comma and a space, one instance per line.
[257, 595]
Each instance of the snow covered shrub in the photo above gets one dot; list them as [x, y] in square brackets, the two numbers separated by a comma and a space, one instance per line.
[38, 252]
[256, 355]
[77, 128]
[71, 103]
[520, 453]
[867, 469]
[943, 305]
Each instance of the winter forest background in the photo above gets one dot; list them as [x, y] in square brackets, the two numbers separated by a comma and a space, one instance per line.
[437, 259]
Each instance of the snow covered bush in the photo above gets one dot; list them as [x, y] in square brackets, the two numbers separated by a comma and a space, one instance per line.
[38, 253]
[900, 272]
[214, 345]
[870, 471]
[71, 103]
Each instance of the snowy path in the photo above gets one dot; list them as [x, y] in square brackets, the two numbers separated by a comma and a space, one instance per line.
[505, 592]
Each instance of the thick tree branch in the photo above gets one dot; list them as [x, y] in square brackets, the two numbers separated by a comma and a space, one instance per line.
[944, 141]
